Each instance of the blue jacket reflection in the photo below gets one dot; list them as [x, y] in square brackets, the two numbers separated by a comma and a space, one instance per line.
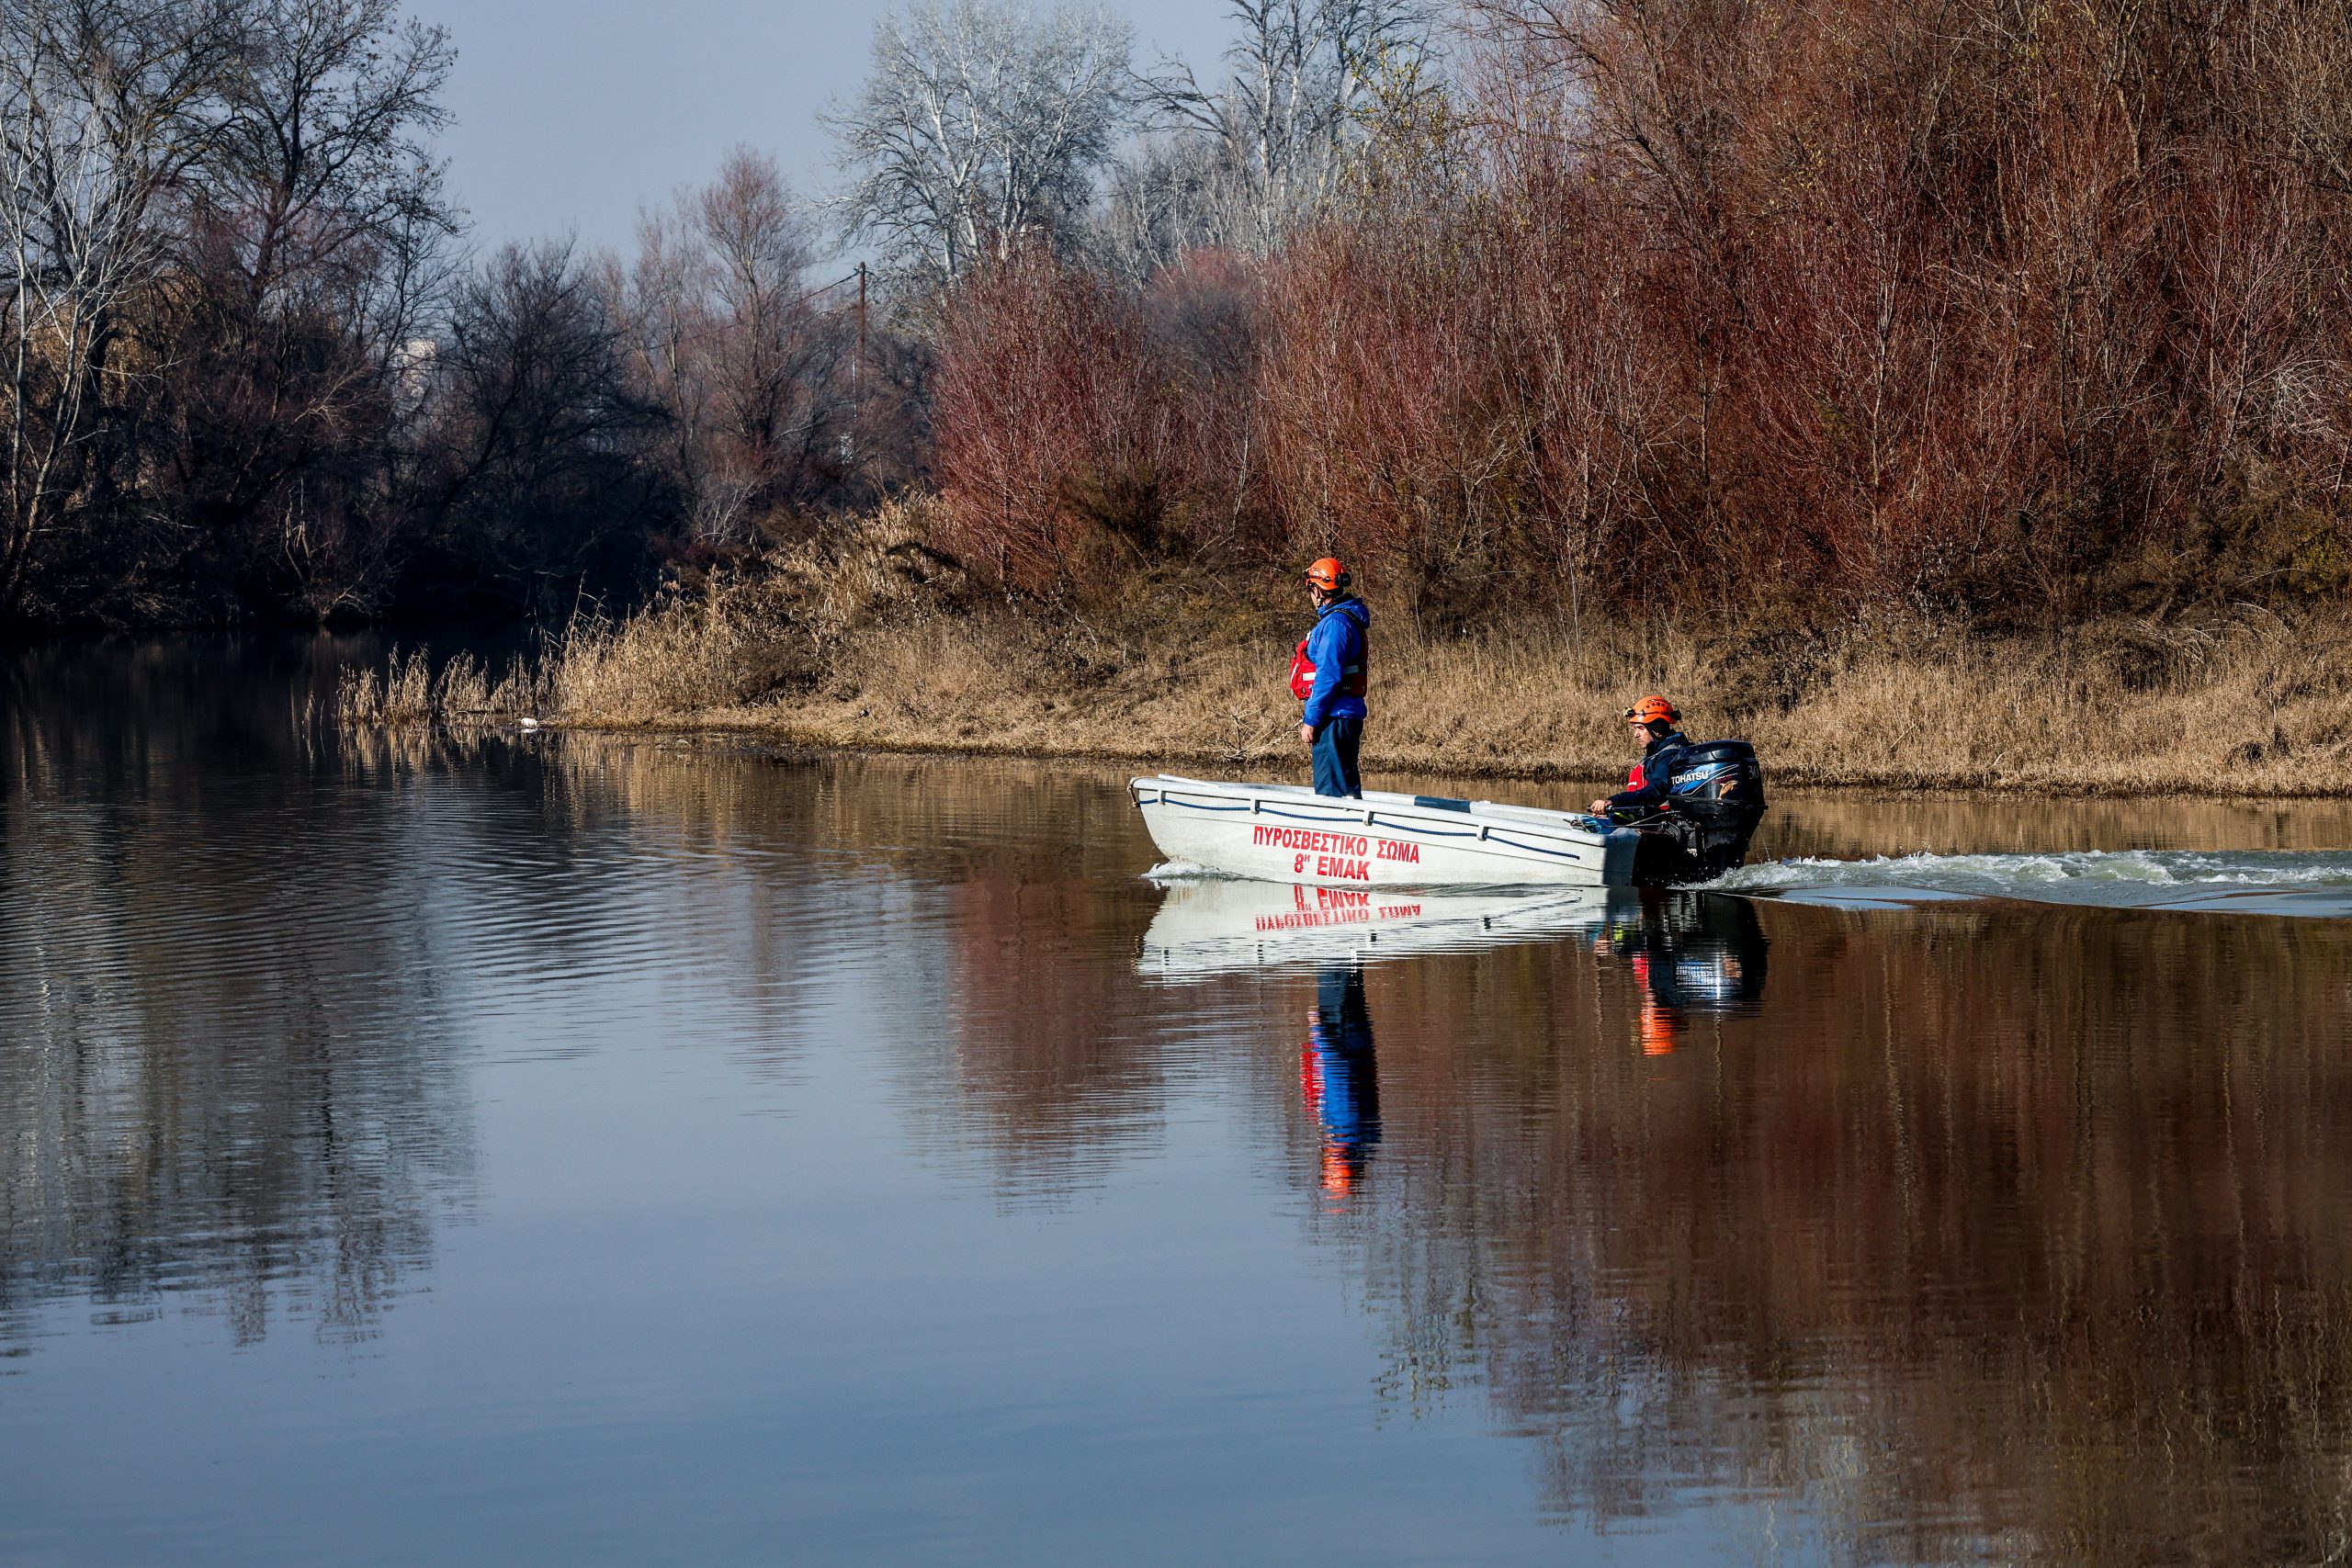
[1341, 1077]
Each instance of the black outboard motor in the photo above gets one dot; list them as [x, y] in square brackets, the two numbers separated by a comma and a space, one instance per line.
[1715, 801]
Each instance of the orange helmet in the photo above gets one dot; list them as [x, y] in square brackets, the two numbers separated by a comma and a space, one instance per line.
[1328, 575]
[1654, 710]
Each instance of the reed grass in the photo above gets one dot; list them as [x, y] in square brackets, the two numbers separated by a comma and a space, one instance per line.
[409, 694]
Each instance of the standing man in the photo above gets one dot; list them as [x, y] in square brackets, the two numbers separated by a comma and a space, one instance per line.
[1328, 671]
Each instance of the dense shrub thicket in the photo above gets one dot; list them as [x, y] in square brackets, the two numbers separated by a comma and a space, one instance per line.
[1985, 309]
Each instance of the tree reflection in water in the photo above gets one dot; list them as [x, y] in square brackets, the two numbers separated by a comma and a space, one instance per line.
[2007, 1233]
[221, 1083]
[1986, 1231]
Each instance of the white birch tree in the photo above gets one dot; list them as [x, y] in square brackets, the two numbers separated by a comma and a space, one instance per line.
[983, 123]
[1247, 164]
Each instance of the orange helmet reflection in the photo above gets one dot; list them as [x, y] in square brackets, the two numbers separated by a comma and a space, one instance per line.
[1661, 1030]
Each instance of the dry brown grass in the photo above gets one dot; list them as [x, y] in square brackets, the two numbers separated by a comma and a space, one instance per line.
[879, 644]
[409, 695]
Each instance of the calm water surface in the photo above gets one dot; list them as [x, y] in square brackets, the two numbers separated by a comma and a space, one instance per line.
[539, 1149]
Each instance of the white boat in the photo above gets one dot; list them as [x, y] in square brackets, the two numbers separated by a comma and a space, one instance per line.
[1288, 833]
[1211, 925]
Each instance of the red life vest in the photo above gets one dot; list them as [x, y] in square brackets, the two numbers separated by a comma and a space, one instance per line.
[1302, 672]
[1351, 680]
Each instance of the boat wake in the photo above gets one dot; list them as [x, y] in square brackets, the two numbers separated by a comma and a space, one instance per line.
[1186, 871]
[2245, 881]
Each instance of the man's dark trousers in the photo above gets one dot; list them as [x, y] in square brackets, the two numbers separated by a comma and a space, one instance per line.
[1335, 757]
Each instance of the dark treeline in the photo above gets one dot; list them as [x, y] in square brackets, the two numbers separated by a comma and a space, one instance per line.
[251, 370]
[1977, 310]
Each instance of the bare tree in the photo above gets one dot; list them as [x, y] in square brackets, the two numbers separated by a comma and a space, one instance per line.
[537, 428]
[323, 149]
[1171, 193]
[1250, 164]
[982, 124]
[314, 247]
[103, 109]
[729, 339]
[772, 360]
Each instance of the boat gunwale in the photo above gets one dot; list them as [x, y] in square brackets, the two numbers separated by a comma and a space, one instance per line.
[1436, 821]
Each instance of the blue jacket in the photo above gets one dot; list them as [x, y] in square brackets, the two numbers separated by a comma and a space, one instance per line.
[1341, 639]
[1659, 758]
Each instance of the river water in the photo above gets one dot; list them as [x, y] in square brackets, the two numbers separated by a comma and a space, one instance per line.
[536, 1148]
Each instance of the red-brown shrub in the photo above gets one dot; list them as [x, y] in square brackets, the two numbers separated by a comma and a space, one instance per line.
[1815, 311]
[1204, 320]
[1050, 429]
[1083, 431]
[1386, 439]
[1983, 308]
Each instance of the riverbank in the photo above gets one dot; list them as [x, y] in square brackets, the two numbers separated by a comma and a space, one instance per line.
[883, 644]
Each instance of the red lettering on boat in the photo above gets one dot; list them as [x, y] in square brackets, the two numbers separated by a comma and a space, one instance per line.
[1308, 920]
[1312, 843]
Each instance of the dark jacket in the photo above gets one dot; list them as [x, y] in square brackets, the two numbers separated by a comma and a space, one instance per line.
[1338, 646]
[1656, 775]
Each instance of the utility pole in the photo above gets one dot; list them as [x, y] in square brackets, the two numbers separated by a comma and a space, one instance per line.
[858, 372]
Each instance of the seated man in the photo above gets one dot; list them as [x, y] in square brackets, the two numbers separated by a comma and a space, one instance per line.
[1695, 802]
[1656, 727]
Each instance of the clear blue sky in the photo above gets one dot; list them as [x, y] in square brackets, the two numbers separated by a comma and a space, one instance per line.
[572, 115]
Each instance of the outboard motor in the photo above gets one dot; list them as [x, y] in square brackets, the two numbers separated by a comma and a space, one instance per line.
[1715, 801]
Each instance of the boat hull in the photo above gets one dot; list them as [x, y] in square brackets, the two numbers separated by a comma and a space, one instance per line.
[1283, 833]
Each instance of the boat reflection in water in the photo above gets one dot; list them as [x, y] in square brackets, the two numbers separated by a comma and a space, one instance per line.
[1220, 925]
[1695, 955]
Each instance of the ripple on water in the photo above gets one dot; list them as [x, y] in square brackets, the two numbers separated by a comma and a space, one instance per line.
[2310, 883]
